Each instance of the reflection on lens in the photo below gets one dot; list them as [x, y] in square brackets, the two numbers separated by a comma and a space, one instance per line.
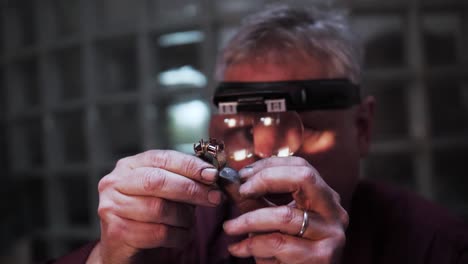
[277, 134]
[267, 121]
[241, 155]
[250, 136]
[231, 122]
[284, 152]
[318, 141]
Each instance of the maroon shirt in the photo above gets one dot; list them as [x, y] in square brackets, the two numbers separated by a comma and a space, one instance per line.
[387, 225]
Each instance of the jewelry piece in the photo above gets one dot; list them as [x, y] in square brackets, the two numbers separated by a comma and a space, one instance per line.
[305, 223]
[211, 151]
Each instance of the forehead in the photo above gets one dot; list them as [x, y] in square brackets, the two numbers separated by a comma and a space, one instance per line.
[264, 70]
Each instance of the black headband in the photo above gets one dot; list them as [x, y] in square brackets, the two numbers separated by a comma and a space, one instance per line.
[299, 95]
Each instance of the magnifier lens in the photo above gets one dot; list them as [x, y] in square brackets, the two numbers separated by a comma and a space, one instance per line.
[277, 134]
[249, 136]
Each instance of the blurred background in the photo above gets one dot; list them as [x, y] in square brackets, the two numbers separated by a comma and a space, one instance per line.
[86, 82]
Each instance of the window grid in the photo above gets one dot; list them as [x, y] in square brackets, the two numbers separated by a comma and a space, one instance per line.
[414, 152]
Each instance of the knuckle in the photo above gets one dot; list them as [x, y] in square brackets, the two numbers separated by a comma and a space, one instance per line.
[160, 233]
[192, 167]
[250, 245]
[156, 207]
[123, 162]
[156, 158]
[105, 182]
[344, 217]
[261, 179]
[105, 208]
[307, 175]
[286, 214]
[153, 179]
[277, 241]
[340, 239]
[102, 212]
[262, 176]
[336, 196]
[191, 189]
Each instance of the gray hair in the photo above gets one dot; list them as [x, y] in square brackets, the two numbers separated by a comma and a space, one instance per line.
[310, 32]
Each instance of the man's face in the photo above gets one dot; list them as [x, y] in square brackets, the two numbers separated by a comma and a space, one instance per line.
[334, 140]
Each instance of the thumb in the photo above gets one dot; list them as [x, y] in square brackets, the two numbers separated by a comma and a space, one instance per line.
[229, 182]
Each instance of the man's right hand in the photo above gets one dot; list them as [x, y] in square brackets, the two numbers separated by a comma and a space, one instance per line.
[148, 201]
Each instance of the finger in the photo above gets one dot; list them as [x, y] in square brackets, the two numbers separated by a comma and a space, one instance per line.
[284, 248]
[304, 183]
[259, 165]
[146, 235]
[179, 163]
[264, 245]
[164, 184]
[153, 210]
[266, 261]
[284, 219]
[244, 204]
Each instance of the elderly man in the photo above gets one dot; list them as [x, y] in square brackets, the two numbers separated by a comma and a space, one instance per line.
[295, 126]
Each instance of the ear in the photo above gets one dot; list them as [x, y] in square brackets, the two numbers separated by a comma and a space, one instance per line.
[364, 124]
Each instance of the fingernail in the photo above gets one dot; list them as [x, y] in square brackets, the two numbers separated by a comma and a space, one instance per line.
[209, 174]
[214, 197]
[246, 172]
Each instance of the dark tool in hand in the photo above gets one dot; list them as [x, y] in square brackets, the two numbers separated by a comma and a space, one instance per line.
[212, 151]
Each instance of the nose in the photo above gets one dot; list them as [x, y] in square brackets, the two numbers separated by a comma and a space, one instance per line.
[264, 140]
[275, 137]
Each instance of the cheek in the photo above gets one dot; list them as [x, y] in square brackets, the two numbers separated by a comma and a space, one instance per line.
[339, 153]
[338, 165]
[316, 142]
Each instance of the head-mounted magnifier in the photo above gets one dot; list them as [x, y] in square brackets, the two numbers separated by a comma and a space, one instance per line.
[260, 119]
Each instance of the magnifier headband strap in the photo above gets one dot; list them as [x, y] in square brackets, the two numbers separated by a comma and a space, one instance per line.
[300, 95]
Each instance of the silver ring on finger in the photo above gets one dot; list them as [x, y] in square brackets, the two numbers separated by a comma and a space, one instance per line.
[305, 223]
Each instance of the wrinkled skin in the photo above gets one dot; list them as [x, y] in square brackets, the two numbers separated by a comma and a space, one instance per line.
[148, 200]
